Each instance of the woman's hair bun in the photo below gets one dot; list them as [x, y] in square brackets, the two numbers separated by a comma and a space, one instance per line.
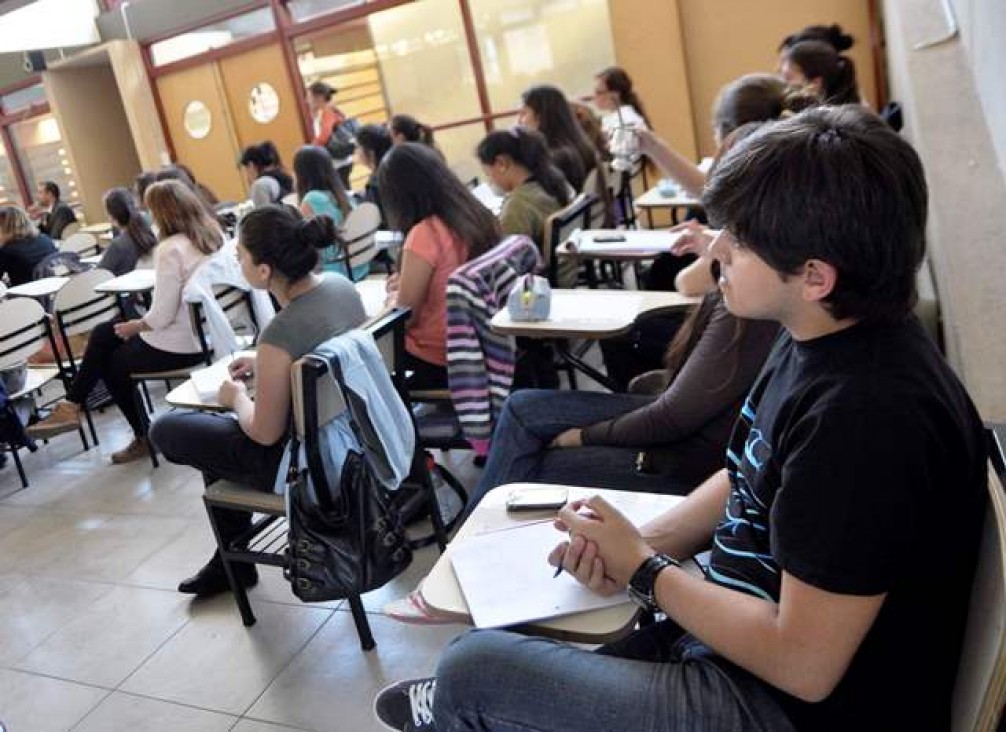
[841, 40]
[795, 99]
[317, 231]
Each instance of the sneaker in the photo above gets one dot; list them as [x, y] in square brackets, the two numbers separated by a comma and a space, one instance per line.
[138, 448]
[407, 705]
[65, 417]
[413, 609]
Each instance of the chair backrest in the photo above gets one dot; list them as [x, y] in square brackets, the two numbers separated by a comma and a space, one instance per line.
[237, 306]
[70, 229]
[317, 401]
[559, 227]
[980, 690]
[81, 243]
[359, 235]
[24, 330]
[78, 308]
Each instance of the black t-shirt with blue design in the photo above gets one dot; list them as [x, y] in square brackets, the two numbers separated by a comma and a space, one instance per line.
[857, 465]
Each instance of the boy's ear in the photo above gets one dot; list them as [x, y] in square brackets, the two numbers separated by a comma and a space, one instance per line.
[819, 280]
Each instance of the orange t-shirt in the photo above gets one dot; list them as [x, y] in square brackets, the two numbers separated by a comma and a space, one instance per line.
[430, 239]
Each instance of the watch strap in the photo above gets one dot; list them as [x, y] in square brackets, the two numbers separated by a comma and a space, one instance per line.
[642, 582]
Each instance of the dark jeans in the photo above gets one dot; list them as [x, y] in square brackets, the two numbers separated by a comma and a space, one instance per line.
[216, 445]
[110, 359]
[532, 418]
[657, 679]
[425, 375]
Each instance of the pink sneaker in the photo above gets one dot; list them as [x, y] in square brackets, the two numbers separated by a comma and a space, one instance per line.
[413, 609]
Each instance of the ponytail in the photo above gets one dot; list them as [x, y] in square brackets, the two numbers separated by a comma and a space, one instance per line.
[526, 148]
[412, 129]
[820, 60]
[617, 80]
[121, 206]
[278, 236]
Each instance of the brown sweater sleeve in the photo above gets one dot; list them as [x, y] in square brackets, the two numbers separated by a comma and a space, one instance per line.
[716, 375]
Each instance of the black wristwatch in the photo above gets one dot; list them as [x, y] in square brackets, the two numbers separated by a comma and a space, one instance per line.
[643, 579]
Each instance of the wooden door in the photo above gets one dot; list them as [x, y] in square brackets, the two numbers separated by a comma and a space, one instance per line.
[211, 156]
[257, 87]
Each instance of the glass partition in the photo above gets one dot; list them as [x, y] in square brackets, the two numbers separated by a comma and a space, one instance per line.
[39, 147]
[528, 42]
[214, 35]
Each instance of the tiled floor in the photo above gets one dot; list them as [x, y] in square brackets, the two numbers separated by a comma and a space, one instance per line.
[94, 637]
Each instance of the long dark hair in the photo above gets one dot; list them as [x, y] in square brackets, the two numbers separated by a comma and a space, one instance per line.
[375, 140]
[412, 129]
[820, 60]
[312, 165]
[616, 80]
[416, 184]
[277, 235]
[557, 123]
[121, 206]
[527, 149]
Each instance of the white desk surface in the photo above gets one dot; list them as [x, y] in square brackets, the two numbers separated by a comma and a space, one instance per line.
[442, 592]
[185, 395]
[99, 228]
[3, 290]
[636, 245]
[592, 314]
[139, 280]
[653, 198]
[373, 292]
[39, 288]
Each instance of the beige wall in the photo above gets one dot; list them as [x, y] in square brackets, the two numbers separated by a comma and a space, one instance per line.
[956, 138]
[138, 97]
[86, 103]
[647, 36]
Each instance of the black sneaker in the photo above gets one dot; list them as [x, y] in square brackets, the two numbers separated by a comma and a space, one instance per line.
[407, 706]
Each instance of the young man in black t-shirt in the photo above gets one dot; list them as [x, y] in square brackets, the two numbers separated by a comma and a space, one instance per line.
[854, 490]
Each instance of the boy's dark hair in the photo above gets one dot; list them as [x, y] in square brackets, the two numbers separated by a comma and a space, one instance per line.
[835, 184]
[51, 188]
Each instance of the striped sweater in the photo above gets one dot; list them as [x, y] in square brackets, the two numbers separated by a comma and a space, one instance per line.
[480, 363]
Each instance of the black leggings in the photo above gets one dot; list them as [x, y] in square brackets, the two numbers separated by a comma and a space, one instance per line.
[425, 375]
[110, 359]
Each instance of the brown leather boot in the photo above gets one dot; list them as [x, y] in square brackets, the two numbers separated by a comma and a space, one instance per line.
[65, 417]
[138, 448]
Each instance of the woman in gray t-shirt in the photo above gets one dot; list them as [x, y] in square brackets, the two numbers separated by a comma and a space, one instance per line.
[278, 251]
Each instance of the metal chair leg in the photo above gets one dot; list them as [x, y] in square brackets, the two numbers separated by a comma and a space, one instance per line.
[90, 426]
[20, 467]
[240, 596]
[362, 624]
[146, 396]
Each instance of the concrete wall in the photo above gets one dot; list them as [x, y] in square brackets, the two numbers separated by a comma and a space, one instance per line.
[954, 117]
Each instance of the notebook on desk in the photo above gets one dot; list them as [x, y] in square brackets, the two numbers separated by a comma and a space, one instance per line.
[207, 381]
[506, 579]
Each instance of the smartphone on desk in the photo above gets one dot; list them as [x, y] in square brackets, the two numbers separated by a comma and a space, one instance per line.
[536, 499]
[606, 238]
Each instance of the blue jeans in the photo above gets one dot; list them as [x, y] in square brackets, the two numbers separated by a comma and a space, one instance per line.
[656, 680]
[532, 418]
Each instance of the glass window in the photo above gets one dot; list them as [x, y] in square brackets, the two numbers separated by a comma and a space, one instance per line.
[23, 98]
[9, 193]
[427, 72]
[39, 147]
[215, 35]
[528, 42]
[307, 9]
